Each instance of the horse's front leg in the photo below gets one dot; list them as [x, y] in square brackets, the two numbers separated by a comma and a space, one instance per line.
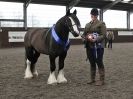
[52, 79]
[61, 78]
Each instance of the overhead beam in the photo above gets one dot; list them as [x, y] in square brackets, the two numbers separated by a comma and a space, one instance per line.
[25, 15]
[105, 8]
[131, 11]
[12, 20]
[28, 2]
[72, 4]
[101, 14]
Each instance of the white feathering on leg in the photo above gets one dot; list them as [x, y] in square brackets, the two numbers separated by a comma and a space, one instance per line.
[28, 73]
[52, 79]
[61, 78]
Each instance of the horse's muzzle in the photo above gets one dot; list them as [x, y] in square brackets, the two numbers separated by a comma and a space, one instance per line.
[75, 34]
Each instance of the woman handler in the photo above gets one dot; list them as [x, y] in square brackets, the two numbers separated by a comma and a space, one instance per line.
[94, 34]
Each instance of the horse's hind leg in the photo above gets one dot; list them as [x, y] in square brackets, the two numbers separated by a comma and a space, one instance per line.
[61, 78]
[31, 57]
[28, 57]
[33, 62]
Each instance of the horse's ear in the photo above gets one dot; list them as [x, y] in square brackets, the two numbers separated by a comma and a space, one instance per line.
[75, 12]
[68, 12]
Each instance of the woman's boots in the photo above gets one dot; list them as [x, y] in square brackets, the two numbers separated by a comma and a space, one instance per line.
[102, 76]
[101, 79]
[93, 74]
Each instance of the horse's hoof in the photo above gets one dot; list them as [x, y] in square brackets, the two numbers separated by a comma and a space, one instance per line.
[29, 77]
[65, 81]
[52, 79]
[61, 79]
[28, 74]
[54, 83]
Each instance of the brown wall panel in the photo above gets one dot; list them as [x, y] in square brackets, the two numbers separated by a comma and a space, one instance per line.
[125, 38]
[4, 38]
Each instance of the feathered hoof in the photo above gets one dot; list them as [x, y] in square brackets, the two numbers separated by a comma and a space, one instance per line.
[52, 83]
[61, 78]
[52, 79]
[62, 82]
[28, 77]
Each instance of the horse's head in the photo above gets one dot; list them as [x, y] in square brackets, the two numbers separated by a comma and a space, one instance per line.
[73, 23]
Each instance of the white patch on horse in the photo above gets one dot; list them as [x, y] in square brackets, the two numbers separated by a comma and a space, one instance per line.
[28, 73]
[61, 78]
[75, 28]
[52, 79]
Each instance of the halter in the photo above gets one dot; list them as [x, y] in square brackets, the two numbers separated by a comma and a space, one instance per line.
[65, 44]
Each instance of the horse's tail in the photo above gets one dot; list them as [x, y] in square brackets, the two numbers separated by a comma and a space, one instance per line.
[25, 60]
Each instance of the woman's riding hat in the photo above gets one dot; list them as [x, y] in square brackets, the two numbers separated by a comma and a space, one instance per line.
[94, 12]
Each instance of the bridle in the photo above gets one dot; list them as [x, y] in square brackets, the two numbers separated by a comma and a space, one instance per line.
[70, 27]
